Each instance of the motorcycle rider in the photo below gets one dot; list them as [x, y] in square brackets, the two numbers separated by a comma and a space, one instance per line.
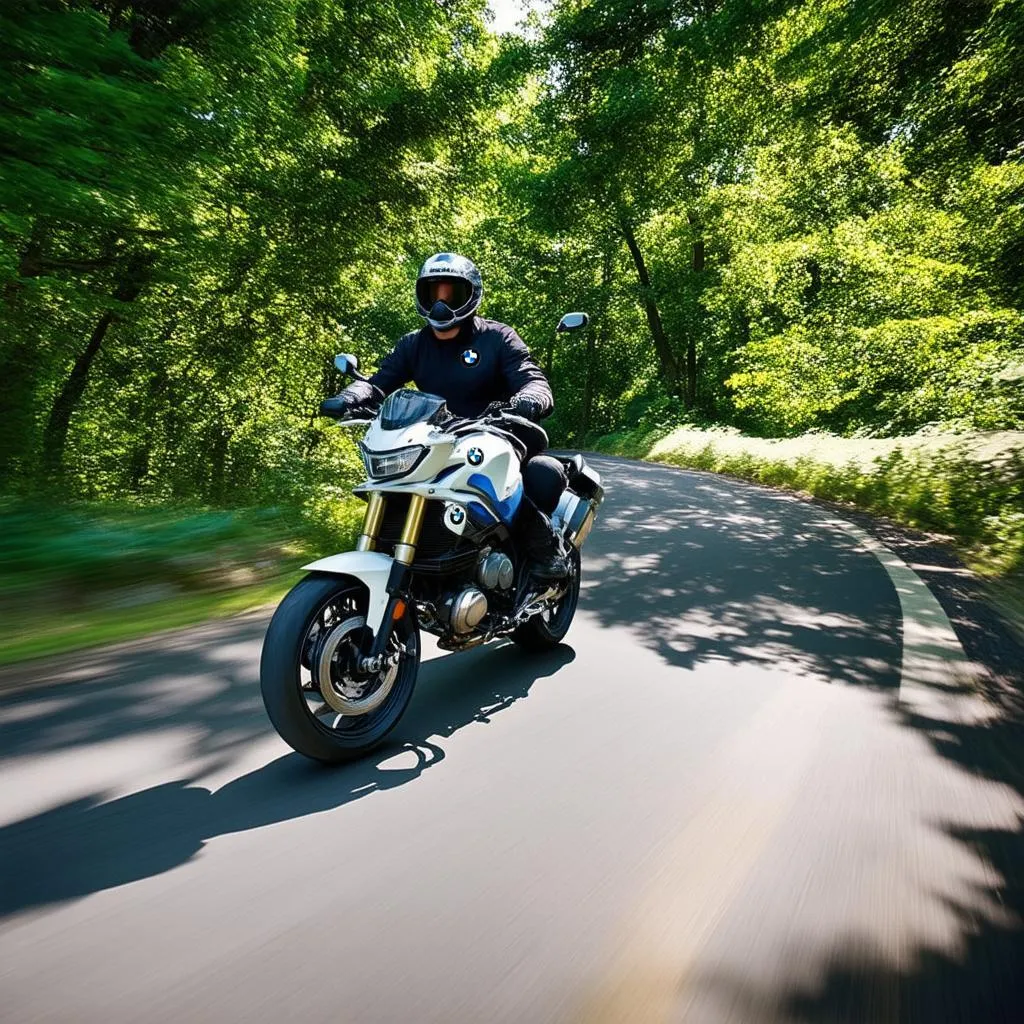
[473, 364]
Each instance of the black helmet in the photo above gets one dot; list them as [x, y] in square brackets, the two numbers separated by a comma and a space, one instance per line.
[469, 290]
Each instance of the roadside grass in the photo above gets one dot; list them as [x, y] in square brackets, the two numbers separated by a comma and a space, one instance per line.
[40, 636]
[89, 574]
[968, 488]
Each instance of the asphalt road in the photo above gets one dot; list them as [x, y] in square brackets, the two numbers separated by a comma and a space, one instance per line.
[758, 782]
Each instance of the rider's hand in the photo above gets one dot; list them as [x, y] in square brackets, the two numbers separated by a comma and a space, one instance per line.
[528, 408]
[496, 409]
[339, 406]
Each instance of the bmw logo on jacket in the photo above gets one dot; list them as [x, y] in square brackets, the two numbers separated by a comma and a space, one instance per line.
[487, 362]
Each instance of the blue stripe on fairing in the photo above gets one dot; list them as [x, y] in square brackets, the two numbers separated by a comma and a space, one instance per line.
[480, 513]
[506, 509]
[445, 472]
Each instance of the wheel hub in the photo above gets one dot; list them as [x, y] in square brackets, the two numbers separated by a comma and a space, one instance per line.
[342, 687]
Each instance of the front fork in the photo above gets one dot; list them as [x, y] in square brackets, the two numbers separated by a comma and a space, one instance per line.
[398, 581]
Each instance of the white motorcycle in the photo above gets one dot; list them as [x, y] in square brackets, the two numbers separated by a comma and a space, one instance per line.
[437, 553]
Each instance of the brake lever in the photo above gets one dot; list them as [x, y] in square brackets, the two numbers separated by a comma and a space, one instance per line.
[356, 421]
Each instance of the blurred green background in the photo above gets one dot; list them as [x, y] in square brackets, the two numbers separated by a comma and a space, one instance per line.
[793, 220]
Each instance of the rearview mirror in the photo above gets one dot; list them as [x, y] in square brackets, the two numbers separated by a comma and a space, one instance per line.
[345, 363]
[573, 322]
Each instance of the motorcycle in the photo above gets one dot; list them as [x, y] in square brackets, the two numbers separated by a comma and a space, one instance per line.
[436, 553]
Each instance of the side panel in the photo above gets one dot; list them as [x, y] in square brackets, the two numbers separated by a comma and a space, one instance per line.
[371, 567]
[506, 509]
[487, 465]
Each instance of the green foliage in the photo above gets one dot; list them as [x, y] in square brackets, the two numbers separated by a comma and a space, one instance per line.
[87, 548]
[781, 216]
[199, 203]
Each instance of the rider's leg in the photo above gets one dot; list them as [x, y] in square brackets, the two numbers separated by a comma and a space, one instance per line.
[544, 479]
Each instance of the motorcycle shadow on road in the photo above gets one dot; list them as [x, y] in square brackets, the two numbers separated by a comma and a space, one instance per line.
[88, 845]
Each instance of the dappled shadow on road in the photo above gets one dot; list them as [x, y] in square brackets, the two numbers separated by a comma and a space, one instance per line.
[721, 582]
[713, 572]
[88, 845]
[980, 975]
[970, 969]
[200, 683]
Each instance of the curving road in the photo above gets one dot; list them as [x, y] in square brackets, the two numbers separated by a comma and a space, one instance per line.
[759, 782]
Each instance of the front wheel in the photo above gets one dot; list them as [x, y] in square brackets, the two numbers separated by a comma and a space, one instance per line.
[546, 629]
[317, 699]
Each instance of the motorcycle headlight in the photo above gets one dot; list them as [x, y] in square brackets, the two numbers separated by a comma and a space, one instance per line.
[382, 465]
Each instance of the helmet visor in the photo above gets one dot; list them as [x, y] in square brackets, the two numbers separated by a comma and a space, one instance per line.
[454, 292]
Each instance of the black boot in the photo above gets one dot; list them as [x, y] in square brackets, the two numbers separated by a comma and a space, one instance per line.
[554, 566]
[543, 546]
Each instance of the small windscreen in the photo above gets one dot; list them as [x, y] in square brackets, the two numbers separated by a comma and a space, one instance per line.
[403, 408]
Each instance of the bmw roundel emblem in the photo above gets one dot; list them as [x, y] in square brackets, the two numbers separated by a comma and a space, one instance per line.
[456, 515]
[474, 456]
[471, 357]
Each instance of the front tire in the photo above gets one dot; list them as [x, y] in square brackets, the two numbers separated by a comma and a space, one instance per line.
[319, 611]
[542, 633]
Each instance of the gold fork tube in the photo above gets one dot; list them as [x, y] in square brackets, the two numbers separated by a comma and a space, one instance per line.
[371, 522]
[405, 549]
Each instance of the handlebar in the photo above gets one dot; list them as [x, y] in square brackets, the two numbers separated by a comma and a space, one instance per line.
[501, 421]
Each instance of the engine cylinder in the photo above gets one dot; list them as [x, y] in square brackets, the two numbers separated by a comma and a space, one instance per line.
[466, 609]
[495, 572]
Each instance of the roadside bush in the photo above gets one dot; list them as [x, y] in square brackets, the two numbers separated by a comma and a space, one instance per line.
[84, 549]
[946, 484]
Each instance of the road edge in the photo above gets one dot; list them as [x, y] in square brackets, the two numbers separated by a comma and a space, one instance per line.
[984, 622]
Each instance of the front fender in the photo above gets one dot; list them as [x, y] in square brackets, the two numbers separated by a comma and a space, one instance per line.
[370, 568]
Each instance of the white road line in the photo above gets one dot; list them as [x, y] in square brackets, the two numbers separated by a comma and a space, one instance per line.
[936, 678]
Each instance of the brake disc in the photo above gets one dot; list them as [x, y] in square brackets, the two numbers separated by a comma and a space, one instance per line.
[341, 692]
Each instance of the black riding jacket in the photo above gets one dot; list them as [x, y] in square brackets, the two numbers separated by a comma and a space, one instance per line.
[487, 362]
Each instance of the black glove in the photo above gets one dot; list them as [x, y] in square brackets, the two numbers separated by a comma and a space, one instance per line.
[496, 409]
[528, 408]
[339, 406]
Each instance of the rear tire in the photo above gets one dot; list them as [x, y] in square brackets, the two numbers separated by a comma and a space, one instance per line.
[540, 634]
[286, 655]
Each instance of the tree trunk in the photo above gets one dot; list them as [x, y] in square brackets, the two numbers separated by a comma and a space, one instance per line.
[593, 337]
[55, 435]
[691, 341]
[666, 357]
[140, 458]
[588, 383]
[29, 262]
